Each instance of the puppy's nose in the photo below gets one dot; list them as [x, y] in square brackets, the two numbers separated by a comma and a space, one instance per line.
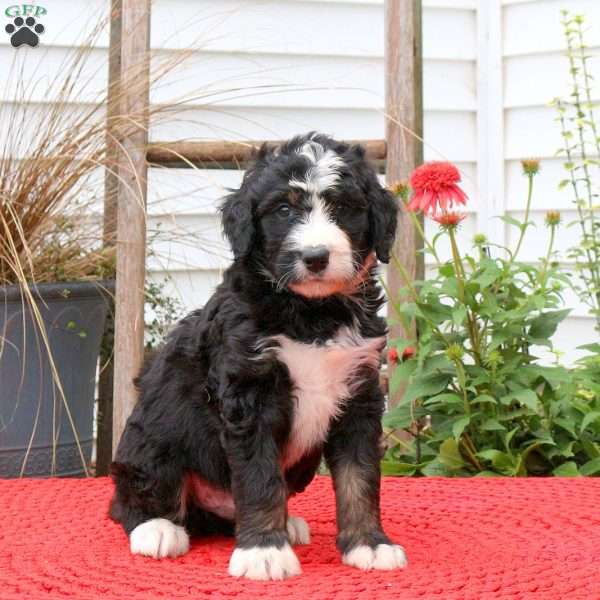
[316, 258]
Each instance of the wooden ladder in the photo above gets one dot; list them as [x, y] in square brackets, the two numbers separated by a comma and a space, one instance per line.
[125, 194]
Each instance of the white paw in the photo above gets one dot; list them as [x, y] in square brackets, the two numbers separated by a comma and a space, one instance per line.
[264, 563]
[298, 530]
[159, 538]
[384, 557]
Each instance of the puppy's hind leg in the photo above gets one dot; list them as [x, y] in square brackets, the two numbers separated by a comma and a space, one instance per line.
[149, 509]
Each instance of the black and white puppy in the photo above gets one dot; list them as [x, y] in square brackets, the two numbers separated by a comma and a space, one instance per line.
[278, 369]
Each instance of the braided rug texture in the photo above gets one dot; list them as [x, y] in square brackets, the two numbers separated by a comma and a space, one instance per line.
[465, 538]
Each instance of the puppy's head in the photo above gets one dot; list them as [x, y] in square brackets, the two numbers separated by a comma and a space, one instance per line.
[311, 214]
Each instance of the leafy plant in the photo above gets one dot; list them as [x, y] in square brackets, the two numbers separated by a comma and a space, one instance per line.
[164, 311]
[581, 137]
[478, 400]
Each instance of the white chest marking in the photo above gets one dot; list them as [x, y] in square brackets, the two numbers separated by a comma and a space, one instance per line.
[324, 378]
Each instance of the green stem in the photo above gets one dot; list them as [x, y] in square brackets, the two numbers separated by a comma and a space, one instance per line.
[471, 451]
[590, 121]
[580, 117]
[592, 279]
[403, 322]
[406, 277]
[419, 227]
[544, 272]
[460, 278]
[415, 297]
[463, 387]
[525, 225]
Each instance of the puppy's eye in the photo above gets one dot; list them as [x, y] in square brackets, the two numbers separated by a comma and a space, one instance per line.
[284, 210]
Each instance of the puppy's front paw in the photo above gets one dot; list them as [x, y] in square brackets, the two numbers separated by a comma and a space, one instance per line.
[159, 538]
[298, 530]
[264, 563]
[384, 557]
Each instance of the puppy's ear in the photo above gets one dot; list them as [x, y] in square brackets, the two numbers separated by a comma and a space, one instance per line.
[238, 226]
[383, 206]
[383, 218]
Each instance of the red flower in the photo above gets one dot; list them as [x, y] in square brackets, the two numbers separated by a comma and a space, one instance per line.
[435, 187]
[409, 352]
[449, 219]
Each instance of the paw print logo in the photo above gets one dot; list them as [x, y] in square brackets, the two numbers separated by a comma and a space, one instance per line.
[24, 31]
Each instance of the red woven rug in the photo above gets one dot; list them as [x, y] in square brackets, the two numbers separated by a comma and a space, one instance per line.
[465, 538]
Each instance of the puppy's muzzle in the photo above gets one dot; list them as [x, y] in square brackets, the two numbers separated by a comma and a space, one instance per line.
[315, 258]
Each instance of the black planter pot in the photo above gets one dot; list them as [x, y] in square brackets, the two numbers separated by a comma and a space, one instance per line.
[32, 411]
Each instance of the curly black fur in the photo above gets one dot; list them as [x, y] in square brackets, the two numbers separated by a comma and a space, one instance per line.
[214, 403]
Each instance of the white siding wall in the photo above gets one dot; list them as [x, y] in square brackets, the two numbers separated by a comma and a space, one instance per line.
[273, 68]
[323, 61]
[535, 70]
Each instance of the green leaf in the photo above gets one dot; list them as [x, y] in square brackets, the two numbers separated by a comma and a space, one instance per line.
[509, 436]
[554, 375]
[566, 425]
[589, 418]
[568, 469]
[449, 454]
[500, 460]
[435, 311]
[426, 387]
[400, 417]
[437, 364]
[492, 425]
[447, 270]
[511, 221]
[441, 399]
[459, 314]
[524, 397]
[459, 426]
[435, 468]
[490, 454]
[594, 347]
[390, 467]
[591, 467]
[544, 326]
[401, 373]
[490, 273]
[485, 399]
[591, 449]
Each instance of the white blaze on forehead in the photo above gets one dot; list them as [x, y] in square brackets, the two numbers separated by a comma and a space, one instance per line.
[318, 229]
[324, 172]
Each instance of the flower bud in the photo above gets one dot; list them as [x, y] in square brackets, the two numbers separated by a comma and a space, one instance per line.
[552, 218]
[493, 359]
[455, 352]
[531, 166]
[408, 353]
[479, 239]
[401, 190]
